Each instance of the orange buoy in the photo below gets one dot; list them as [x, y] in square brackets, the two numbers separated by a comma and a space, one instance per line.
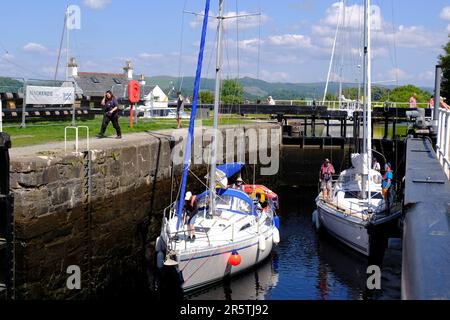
[235, 259]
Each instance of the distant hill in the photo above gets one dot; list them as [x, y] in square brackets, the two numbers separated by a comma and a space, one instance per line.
[256, 89]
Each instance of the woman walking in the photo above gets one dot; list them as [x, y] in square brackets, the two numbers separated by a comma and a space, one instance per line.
[111, 114]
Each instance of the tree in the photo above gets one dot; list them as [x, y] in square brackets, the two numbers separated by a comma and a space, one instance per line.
[232, 92]
[206, 97]
[444, 61]
[331, 97]
[404, 93]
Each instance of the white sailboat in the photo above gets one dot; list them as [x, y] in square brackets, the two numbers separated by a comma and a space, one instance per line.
[232, 232]
[357, 210]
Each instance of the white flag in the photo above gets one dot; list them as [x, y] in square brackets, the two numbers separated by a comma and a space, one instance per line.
[73, 20]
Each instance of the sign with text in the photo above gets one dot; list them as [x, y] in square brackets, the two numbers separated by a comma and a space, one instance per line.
[50, 95]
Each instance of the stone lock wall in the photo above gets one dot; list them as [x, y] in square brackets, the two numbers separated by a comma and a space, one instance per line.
[60, 223]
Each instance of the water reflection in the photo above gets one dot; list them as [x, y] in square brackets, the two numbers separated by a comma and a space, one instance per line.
[305, 266]
[254, 284]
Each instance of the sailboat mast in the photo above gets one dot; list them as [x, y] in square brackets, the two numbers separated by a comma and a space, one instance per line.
[212, 179]
[367, 110]
[342, 54]
[369, 94]
[67, 44]
[369, 83]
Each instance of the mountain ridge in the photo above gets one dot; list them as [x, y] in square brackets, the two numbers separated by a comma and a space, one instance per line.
[256, 88]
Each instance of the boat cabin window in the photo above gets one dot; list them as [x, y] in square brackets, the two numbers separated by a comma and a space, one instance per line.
[358, 195]
[376, 178]
[226, 202]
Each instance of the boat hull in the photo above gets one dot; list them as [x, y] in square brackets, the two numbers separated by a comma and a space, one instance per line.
[345, 228]
[209, 266]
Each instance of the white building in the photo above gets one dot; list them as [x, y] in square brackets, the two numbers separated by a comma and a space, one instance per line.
[155, 97]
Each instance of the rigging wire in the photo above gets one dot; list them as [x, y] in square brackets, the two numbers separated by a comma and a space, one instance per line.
[180, 62]
[61, 44]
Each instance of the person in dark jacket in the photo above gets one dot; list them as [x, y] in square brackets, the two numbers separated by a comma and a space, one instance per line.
[191, 209]
[111, 109]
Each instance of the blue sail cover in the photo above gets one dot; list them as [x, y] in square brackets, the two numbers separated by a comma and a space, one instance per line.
[230, 169]
[234, 193]
[187, 155]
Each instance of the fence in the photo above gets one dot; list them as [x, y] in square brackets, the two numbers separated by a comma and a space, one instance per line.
[443, 140]
[345, 105]
[15, 94]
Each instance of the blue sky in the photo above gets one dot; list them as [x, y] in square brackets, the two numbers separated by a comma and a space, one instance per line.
[295, 38]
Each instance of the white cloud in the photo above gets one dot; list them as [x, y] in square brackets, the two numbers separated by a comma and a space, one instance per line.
[445, 14]
[96, 4]
[398, 74]
[291, 40]
[246, 21]
[7, 56]
[150, 56]
[275, 76]
[34, 47]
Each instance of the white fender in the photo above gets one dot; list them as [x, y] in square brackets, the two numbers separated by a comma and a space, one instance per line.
[160, 260]
[262, 242]
[276, 236]
[316, 220]
[158, 245]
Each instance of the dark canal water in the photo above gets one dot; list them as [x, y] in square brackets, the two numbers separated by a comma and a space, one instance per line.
[305, 265]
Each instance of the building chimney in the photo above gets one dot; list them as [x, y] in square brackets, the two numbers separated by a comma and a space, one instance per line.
[128, 69]
[72, 68]
[142, 80]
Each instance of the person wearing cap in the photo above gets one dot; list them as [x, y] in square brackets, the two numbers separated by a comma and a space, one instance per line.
[190, 207]
[326, 178]
[387, 183]
[270, 101]
[238, 185]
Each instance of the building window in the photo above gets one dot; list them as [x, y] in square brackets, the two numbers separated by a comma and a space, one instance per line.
[117, 81]
[95, 80]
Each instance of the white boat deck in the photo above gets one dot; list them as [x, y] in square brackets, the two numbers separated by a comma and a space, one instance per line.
[220, 231]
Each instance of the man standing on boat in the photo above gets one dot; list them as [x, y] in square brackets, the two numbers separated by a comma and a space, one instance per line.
[111, 114]
[387, 184]
[326, 178]
[180, 109]
[190, 205]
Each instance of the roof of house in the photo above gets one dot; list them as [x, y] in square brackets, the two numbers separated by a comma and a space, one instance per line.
[95, 84]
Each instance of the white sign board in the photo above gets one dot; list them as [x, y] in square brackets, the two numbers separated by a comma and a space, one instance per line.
[50, 95]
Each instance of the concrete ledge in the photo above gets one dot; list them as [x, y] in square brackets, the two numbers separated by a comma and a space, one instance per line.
[426, 235]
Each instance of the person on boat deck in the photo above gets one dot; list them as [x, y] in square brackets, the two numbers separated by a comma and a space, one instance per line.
[326, 177]
[376, 165]
[111, 114]
[238, 185]
[180, 109]
[190, 206]
[270, 101]
[257, 203]
[387, 183]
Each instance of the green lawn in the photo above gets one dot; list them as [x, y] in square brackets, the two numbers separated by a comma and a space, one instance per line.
[52, 131]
